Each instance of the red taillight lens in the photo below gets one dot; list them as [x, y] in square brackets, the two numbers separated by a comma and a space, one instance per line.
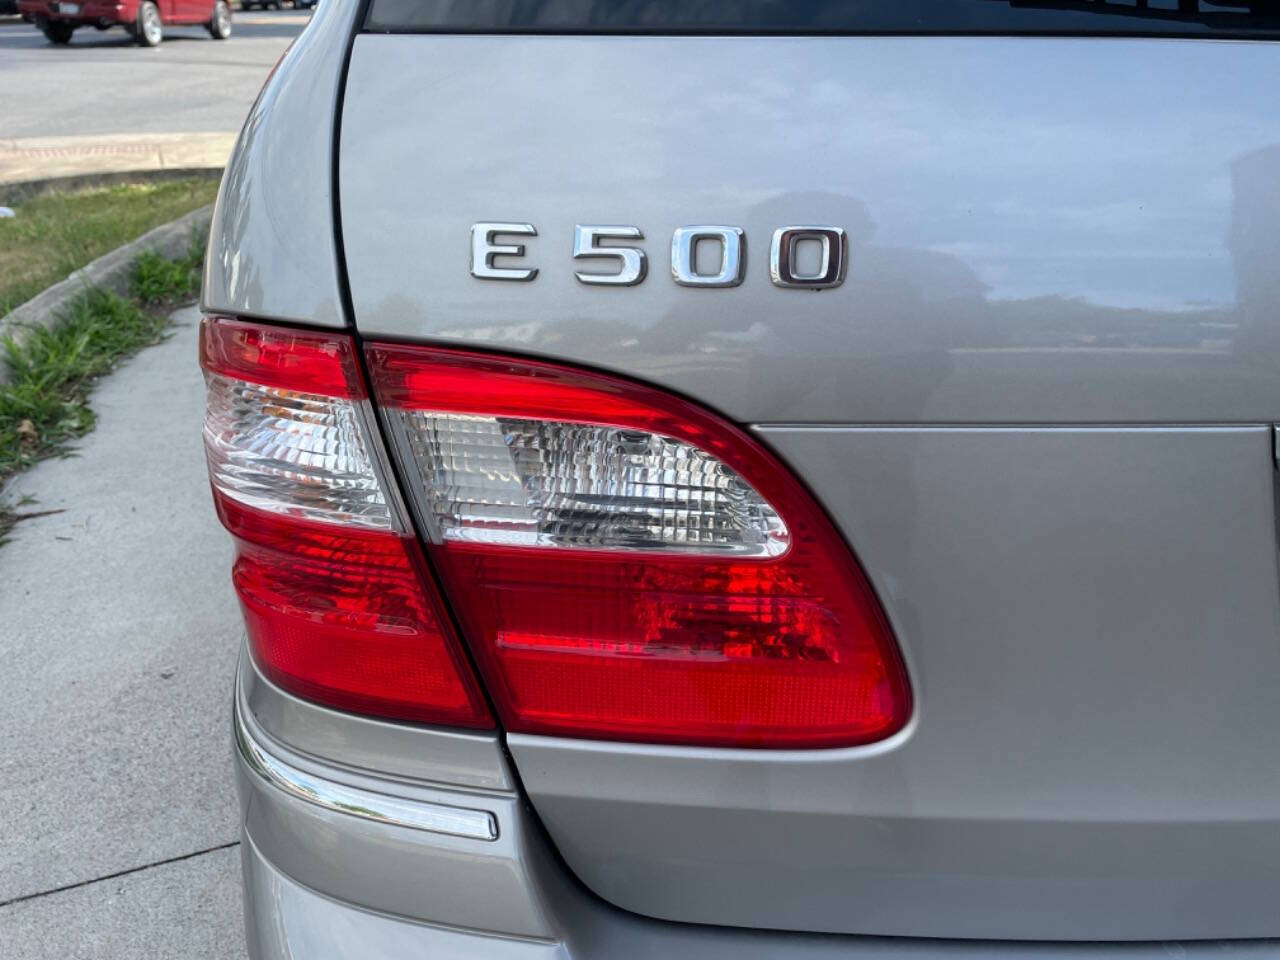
[628, 566]
[335, 595]
[341, 617]
[294, 360]
[680, 650]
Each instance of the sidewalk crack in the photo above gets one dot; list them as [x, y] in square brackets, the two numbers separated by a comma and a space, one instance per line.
[119, 873]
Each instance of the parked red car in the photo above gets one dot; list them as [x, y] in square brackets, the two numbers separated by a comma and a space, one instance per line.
[145, 19]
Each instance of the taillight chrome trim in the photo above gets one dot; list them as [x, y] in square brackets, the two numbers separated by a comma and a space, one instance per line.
[380, 459]
[353, 801]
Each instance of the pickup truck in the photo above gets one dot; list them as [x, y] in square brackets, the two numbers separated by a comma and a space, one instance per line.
[757, 479]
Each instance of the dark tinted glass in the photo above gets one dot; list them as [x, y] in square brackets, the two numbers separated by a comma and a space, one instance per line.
[1222, 18]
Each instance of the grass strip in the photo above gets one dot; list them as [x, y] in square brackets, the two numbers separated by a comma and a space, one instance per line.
[53, 235]
[45, 404]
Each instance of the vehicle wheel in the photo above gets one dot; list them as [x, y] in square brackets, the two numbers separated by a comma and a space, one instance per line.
[58, 32]
[149, 30]
[246, 5]
[220, 23]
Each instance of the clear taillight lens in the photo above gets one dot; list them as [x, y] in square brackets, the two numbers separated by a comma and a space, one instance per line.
[550, 483]
[628, 566]
[300, 454]
[336, 598]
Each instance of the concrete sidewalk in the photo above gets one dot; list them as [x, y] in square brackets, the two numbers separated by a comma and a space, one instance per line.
[33, 158]
[118, 816]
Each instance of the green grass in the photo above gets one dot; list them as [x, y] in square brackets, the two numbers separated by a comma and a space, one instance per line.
[54, 235]
[45, 404]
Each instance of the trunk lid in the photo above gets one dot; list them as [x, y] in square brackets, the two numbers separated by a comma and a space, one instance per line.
[1038, 408]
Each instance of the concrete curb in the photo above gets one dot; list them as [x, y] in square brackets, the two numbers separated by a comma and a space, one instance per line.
[13, 193]
[111, 271]
[34, 158]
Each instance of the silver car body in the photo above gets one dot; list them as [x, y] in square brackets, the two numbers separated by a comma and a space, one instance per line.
[1040, 408]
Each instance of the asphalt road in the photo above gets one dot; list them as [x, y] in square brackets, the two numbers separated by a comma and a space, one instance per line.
[105, 83]
[119, 632]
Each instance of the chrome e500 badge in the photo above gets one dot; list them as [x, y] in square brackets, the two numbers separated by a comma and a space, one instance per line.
[491, 240]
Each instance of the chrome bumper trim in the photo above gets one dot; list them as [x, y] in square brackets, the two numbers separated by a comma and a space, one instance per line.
[379, 807]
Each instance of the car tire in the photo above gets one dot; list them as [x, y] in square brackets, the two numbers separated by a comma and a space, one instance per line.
[246, 5]
[220, 23]
[149, 30]
[58, 32]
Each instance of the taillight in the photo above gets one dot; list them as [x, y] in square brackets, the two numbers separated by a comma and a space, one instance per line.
[626, 565]
[334, 589]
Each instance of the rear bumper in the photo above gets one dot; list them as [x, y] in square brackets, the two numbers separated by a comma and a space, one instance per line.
[341, 864]
[287, 920]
